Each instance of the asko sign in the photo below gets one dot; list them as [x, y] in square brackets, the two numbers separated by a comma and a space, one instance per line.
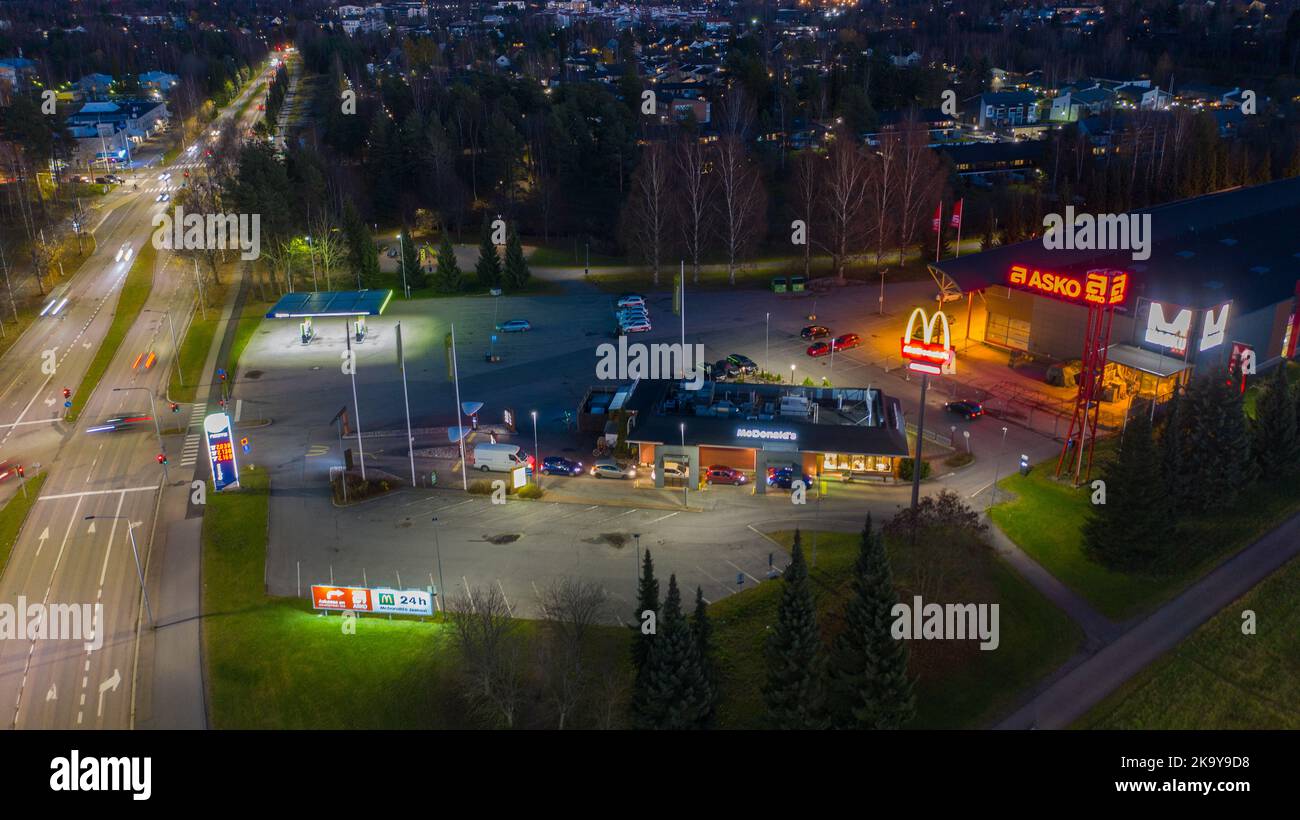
[382, 601]
[350, 599]
[932, 352]
[1099, 287]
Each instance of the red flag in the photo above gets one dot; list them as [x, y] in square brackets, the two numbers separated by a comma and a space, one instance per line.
[938, 217]
[956, 214]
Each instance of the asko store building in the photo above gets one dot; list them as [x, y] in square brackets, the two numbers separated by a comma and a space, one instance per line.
[1221, 279]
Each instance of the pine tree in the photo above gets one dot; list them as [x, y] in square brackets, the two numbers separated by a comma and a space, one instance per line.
[795, 665]
[516, 269]
[869, 686]
[647, 600]
[1132, 529]
[702, 631]
[676, 694]
[1218, 443]
[1274, 440]
[363, 254]
[1174, 464]
[488, 266]
[409, 262]
[447, 278]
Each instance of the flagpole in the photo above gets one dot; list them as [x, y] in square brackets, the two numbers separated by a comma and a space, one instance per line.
[959, 221]
[938, 232]
[460, 428]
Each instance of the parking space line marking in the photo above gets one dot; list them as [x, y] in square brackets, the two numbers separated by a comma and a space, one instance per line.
[662, 517]
[742, 572]
[764, 535]
[509, 610]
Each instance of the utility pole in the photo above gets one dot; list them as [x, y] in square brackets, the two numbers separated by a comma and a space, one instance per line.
[406, 397]
[352, 370]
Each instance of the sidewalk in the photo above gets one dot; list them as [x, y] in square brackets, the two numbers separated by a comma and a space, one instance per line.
[172, 689]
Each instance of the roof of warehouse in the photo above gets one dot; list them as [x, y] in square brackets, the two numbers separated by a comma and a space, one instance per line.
[1240, 245]
[330, 303]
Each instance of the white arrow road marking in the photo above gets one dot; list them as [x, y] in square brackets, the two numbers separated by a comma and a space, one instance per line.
[49, 402]
[92, 528]
[107, 685]
[87, 345]
[53, 694]
[45, 533]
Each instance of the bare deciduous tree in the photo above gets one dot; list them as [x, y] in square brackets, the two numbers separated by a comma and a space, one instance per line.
[490, 647]
[741, 201]
[695, 185]
[571, 608]
[807, 168]
[842, 200]
[646, 216]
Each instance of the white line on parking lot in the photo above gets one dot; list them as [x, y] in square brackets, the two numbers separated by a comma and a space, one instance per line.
[662, 517]
[509, 609]
[764, 535]
[629, 512]
[980, 490]
[742, 572]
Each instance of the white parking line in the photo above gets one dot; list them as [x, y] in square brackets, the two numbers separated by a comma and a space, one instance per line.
[742, 572]
[662, 517]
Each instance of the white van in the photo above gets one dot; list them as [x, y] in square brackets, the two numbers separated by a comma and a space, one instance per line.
[499, 457]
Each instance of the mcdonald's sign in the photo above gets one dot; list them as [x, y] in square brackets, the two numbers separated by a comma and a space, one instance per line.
[932, 352]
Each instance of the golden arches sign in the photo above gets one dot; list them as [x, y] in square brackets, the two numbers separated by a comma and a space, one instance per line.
[926, 355]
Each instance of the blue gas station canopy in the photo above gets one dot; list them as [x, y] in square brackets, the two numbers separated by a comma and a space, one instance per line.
[330, 303]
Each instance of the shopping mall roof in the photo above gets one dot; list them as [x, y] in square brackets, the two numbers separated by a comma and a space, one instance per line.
[330, 303]
[1240, 245]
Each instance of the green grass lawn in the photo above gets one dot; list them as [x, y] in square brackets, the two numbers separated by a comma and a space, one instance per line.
[1219, 678]
[14, 513]
[250, 319]
[193, 355]
[134, 293]
[565, 256]
[1045, 518]
[957, 686]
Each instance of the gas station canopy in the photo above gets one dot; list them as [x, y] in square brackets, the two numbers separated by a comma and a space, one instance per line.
[319, 304]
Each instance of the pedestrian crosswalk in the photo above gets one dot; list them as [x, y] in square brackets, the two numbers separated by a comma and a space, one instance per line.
[194, 438]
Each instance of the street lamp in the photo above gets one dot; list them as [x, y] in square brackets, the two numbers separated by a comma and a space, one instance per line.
[686, 481]
[401, 258]
[311, 254]
[437, 549]
[767, 334]
[791, 374]
[998, 464]
[537, 455]
[176, 348]
[139, 573]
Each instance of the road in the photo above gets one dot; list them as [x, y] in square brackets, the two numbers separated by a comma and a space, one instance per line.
[61, 557]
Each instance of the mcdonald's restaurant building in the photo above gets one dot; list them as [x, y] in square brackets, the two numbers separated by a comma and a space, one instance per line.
[856, 434]
[1220, 285]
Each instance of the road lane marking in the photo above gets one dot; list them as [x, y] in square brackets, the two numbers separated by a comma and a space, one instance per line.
[661, 518]
[98, 492]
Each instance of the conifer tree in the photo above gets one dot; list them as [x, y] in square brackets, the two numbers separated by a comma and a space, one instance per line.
[516, 269]
[1173, 451]
[1218, 443]
[1131, 530]
[1274, 440]
[869, 687]
[448, 277]
[676, 693]
[702, 630]
[794, 691]
[409, 262]
[647, 601]
[488, 266]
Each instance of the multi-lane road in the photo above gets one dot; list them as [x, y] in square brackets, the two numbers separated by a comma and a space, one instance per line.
[63, 557]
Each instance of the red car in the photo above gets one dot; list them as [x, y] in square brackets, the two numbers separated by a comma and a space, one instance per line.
[719, 474]
[847, 341]
[819, 349]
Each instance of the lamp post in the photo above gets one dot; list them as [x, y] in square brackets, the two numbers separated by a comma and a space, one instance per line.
[139, 573]
[537, 454]
[401, 260]
[997, 464]
[176, 348]
[437, 550]
[882, 291]
[686, 481]
[791, 374]
[406, 398]
[767, 334]
[311, 254]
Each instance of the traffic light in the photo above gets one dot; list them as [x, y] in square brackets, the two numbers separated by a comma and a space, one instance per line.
[22, 471]
[176, 408]
[67, 393]
[162, 459]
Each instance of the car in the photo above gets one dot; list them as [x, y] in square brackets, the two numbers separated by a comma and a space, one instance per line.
[633, 319]
[102, 180]
[639, 326]
[813, 332]
[558, 465]
[744, 363]
[847, 342]
[672, 471]
[784, 477]
[115, 178]
[721, 474]
[722, 370]
[631, 300]
[123, 421]
[392, 253]
[818, 349]
[514, 326]
[125, 250]
[611, 469]
[632, 313]
[7, 469]
[969, 410]
[163, 197]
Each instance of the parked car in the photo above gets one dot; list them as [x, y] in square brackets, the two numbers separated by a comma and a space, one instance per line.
[610, 469]
[784, 477]
[722, 370]
[629, 314]
[847, 342]
[635, 326]
[499, 457]
[558, 465]
[514, 326]
[745, 364]
[672, 471]
[819, 349]
[719, 474]
[102, 180]
[392, 253]
[631, 300]
[970, 410]
[813, 332]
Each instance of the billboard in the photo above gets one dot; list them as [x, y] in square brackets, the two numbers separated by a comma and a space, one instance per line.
[221, 450]
[926, 355]
[381, 601]
[1099, 287]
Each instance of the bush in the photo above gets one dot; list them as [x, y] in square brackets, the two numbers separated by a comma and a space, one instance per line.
[905, 469]
[530, 491]
[480, 486]
[960, 459]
